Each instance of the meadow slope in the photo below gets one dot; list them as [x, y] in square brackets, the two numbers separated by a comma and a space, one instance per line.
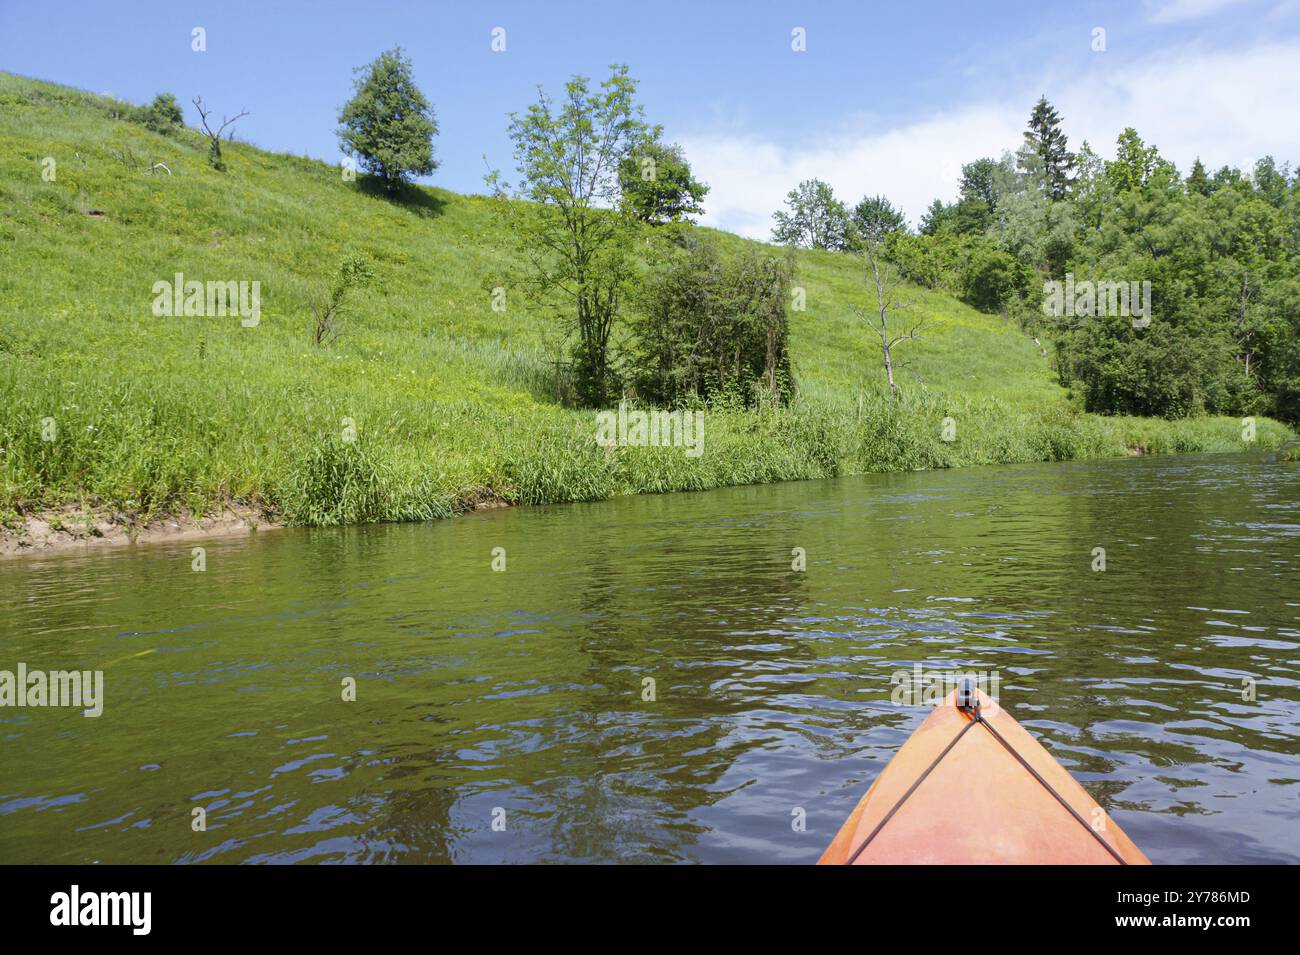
[452, 404]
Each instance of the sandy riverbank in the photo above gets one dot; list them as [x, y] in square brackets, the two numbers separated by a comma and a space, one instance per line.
[71, 529]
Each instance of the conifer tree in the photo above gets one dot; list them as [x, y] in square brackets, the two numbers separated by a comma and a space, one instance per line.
[1197, 180]
[1045, 139]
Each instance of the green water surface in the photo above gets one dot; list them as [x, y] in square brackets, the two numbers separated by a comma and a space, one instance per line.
[521, 696]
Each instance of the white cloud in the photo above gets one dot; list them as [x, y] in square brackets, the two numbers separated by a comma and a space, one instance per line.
[1224, 106]
[749, 177]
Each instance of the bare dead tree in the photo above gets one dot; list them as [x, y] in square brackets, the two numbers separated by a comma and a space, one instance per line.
[1245, 327]
[887, 281]
[214, 155]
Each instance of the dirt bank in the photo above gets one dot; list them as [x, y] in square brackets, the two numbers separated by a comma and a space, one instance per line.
[72, 528]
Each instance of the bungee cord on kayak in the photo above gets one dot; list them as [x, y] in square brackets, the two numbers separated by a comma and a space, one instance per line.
[1046, 785]
[966, 701]
[898, 805]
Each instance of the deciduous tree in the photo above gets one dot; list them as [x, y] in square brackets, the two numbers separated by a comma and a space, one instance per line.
[575, 241]
[815, 220]
[658, 186]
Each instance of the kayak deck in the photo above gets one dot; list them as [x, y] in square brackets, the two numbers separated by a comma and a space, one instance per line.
[955, 794]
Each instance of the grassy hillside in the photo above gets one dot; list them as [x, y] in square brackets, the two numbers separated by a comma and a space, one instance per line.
[453, 403]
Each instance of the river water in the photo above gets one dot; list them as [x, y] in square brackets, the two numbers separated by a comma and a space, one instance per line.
[649, 679]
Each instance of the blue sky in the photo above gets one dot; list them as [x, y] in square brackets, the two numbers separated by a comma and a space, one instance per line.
[888, 97]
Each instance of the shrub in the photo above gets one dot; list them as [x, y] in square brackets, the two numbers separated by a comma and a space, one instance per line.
[1167, 371]
[993, 279]
[709, 326]
[163, 115]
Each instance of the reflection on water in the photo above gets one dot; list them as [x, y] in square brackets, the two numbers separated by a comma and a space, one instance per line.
[519, 695]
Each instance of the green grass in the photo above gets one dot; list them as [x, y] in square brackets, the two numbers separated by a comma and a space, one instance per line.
[452, 402]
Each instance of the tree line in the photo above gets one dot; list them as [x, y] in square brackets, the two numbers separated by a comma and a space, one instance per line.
[1220, 250]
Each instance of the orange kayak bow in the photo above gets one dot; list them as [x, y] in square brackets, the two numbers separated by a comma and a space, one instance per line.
[970, 787]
